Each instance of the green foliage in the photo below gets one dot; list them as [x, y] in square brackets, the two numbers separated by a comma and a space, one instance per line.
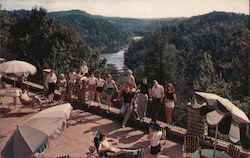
[203, 53]
[6, 23]
[97, 31]
[105, 34]
[42, 41]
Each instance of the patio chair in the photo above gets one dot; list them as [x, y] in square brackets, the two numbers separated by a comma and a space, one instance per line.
[39, 153]
[26, 103]
[33, 102]
[233, 151]
[191, 144]
[75, 117]
[107, 154]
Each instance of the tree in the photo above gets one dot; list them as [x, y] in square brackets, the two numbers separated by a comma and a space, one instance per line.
[208, 80]
[40, 40]
[240, 70]
[6, 23]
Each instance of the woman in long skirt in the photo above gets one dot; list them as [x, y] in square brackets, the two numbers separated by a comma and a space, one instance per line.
[50, 85]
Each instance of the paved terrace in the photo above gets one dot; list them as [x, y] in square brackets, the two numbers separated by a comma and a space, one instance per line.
[97, 119]
[78, 136]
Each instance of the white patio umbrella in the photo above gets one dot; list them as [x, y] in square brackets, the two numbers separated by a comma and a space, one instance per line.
[224, 109]
[18, 68]
[52, 120]
[33, 134]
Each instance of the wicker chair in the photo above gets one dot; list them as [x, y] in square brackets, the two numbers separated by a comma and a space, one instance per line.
[191, 144]
[233, 151]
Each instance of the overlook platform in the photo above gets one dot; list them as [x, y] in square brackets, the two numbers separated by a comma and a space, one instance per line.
[79, 135]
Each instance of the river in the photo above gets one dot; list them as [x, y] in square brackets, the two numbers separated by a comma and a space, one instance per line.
[116, 59]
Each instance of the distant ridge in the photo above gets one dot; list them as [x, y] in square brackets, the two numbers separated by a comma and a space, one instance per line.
[106, 34]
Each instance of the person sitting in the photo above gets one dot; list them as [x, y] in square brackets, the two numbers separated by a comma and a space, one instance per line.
[106, 146]
[27, 100]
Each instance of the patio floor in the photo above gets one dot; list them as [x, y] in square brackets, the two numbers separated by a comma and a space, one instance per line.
[77, 137]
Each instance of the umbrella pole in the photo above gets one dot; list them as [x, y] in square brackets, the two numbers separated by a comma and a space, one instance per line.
[215, 142]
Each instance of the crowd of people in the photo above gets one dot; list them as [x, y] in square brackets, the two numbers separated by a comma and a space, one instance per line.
[135, 97]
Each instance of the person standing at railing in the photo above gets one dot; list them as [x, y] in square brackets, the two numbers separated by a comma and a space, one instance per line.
[158, 96]
[144, 93]
[92, 80]
[50, 85]
[100, 83]
[72, 82]
[170, 99]
[83, 68]
[62, 84]
[127, 104]
[110, 88]
[130, 80]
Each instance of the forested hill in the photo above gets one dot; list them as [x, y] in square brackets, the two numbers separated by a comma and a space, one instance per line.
[37, 38]
[203, 53]
[104, 34]
[142, 26]
[108, 34]
[98, 32]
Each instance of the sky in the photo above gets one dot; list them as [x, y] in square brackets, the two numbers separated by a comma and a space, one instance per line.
[135, 8]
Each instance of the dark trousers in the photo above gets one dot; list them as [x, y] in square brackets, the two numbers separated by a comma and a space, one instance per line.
[156, 108]
[52, 87]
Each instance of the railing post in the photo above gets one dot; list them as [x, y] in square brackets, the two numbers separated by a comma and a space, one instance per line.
[81, 92]
[196, 123]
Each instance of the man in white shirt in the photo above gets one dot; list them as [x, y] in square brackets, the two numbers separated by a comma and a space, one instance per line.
[158, 96]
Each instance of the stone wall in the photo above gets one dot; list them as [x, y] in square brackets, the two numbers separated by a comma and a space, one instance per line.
[196, 124]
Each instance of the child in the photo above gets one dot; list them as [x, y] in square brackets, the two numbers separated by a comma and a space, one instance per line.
[154, 136]
[62, 84]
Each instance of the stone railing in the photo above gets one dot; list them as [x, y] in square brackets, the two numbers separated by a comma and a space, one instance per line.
[196, 124]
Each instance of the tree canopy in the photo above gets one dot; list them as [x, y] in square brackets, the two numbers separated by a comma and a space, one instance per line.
[42, 41]
[202, 53]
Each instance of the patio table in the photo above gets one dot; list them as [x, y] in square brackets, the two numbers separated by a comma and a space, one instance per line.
[209, 153]
[15, 92]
